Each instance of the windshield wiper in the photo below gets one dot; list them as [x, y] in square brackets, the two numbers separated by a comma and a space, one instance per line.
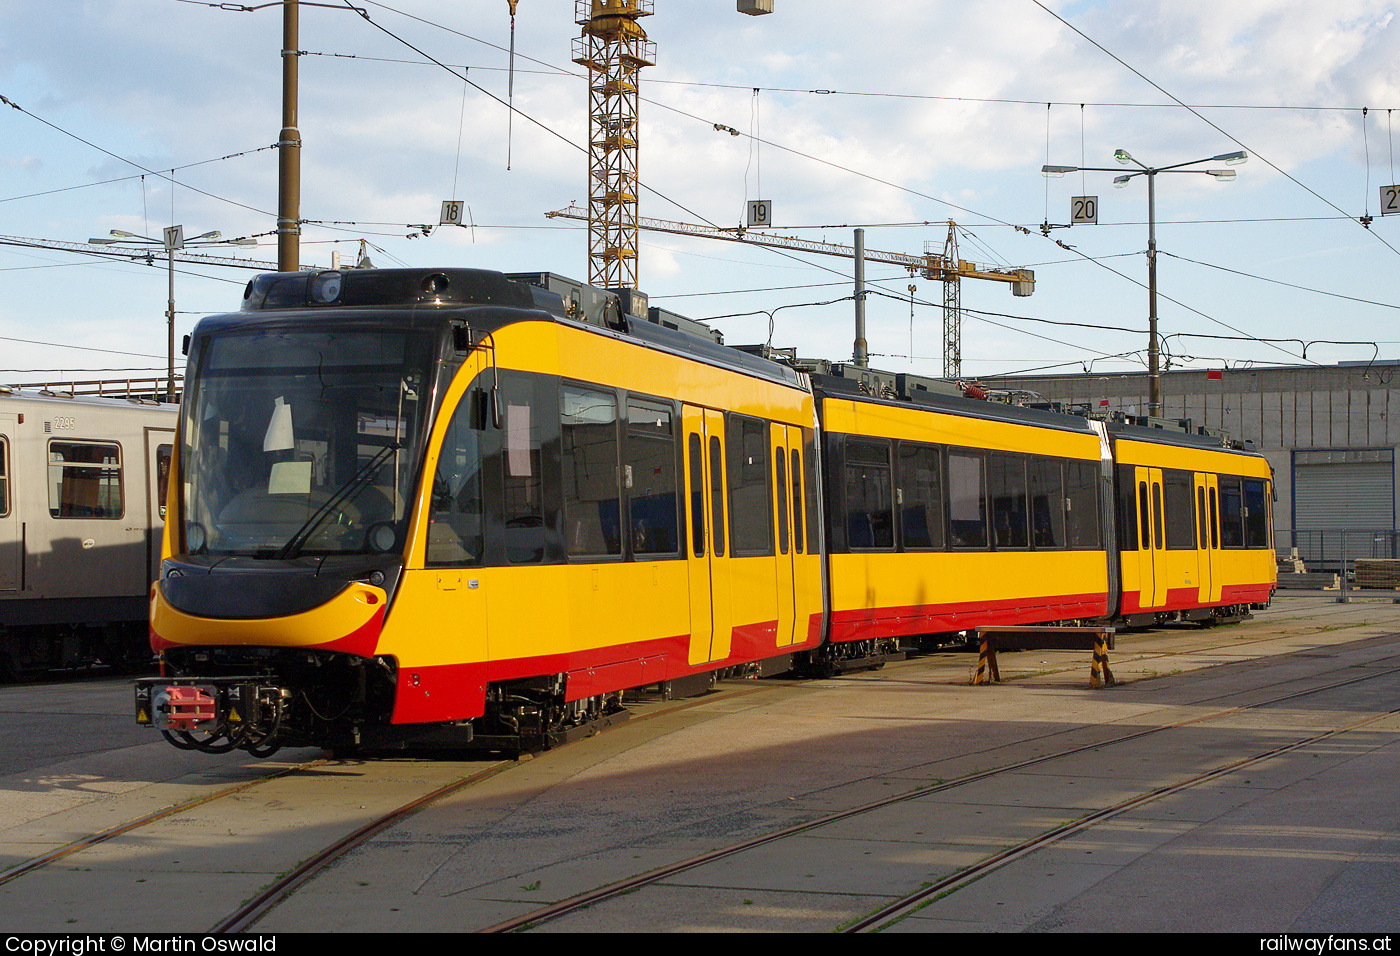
[354, 486]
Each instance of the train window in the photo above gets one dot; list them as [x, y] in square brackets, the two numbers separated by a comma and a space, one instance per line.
[523, 493]
[920, 497]
[589, 459]
[163, 455]
[797, 543]
[649, 474]
[454, 528]
[780, 479]
[1214, 522]
[1082, 505]
[1047, 493]
[1256, 514]
[869, 505]
[1006, 487]
[1144, 516]
[967, 500]
[4, 476]
[697, 496]
[85, 479]
[809, 451]
[1180, 510]
[1158, 539]
[717, 494]
[1231, 514]
[1126, 513]
[750, 500]
[1201, 534]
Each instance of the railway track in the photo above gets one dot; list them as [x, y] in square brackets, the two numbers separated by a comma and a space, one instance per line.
[247, 799]
[961, 877]
[265, 890]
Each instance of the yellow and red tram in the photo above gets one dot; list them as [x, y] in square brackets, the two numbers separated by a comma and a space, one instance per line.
[439, 506]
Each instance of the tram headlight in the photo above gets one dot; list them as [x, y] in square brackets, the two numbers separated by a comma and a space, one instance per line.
[325, 287]
[195, 539]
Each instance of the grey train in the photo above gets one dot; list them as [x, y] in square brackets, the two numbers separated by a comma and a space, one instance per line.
[82, 507]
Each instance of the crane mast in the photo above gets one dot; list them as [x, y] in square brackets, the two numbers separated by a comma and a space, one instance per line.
[614, 48]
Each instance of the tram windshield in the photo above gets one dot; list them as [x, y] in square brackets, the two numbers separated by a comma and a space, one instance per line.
[303, 441]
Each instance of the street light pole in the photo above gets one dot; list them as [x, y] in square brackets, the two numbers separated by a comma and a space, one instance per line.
[172, 239]
[1154, 374]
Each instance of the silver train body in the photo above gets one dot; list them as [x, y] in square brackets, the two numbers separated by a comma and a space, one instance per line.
[82, 489]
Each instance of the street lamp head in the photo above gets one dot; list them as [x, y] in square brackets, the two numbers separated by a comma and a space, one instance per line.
[123, 234]
[1056, 172]
[212, 234]
[1231, 159]
[1123, 156]
[1120, 181]
[1225, 174]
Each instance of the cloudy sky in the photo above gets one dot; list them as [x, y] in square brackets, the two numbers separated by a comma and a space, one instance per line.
[896, 117]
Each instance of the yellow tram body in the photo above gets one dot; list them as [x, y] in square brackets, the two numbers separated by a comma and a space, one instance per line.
[406, 502]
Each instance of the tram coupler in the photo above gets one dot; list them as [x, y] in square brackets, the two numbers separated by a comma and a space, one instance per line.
[188, 704]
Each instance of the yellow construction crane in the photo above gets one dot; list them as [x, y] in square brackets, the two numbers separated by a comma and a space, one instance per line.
[614, 48]
[944, 266]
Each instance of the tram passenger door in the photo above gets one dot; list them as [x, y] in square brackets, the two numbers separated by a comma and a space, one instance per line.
[1207, 539]
[1152, 547]
[707, 549]
[9, 509]
[787, 446]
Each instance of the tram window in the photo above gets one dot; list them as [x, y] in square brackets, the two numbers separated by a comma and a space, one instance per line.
[1180, 512]
[85, 479]
[869, 505]
[1214, 522]
[1047, 494]
[454, 529]
[750, 500]
[780, 479]
[1256, 514]
[1158, 539]
[797, 543]
[1144, 517]
[697, 496]
[1125, 512]
[4, 476]
[522, 498]
[717, 494]
[1201, 534]
[1082, 504]
[809, 451]
[967, 500]
[589, 471]
[920, 497]
[1006, 487]
[1231, 514]
[649, 474]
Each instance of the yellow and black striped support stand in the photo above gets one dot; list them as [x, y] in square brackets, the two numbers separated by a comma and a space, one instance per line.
[1100, 662]
[987, 672]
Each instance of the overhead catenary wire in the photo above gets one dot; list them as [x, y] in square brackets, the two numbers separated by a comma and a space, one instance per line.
[745, 86]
